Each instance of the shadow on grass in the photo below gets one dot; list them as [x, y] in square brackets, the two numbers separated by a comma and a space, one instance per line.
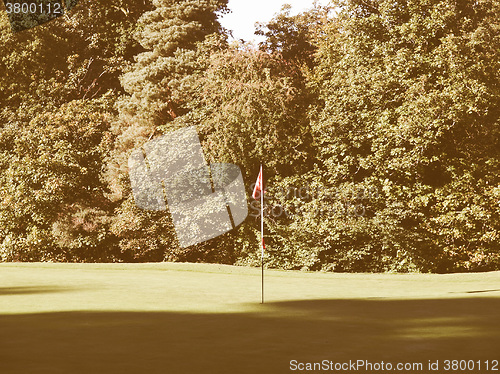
[483, 291]
[259, 342]
[32, 290]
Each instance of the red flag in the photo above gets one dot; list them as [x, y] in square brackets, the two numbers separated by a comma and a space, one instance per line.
[258, 186]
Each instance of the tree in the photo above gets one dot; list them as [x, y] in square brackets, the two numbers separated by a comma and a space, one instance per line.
[410, 93]
[294, 37]
[79, 56]
[59, 82]
[177, 37]
[53, 204]
[250, 107]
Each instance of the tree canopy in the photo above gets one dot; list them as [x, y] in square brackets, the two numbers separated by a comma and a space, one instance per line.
[377, 123]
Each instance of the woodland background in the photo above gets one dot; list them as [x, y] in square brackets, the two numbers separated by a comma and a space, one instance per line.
[389, 105]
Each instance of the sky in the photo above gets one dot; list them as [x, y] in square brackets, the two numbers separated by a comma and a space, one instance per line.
[246, 12]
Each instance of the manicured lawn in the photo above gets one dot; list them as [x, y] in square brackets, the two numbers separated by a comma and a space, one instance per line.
[197, 318]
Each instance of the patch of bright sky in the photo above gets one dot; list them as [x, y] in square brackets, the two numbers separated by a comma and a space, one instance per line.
[246, 13]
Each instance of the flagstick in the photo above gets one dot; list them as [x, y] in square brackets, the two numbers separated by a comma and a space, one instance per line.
[262, 231]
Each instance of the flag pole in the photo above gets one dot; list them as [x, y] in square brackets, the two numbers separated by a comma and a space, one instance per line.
[262, 232]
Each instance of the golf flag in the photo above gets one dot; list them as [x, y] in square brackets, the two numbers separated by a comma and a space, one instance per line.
[258, 192]
[258, 186]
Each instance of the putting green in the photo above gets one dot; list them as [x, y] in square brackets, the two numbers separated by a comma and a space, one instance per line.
[200, 318]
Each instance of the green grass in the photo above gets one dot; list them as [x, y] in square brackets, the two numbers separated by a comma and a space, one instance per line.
[198, 318]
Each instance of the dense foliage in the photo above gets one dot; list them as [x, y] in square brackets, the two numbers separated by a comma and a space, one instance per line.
[59, 83]
[178, 37]
[377, 123]
[410, 109]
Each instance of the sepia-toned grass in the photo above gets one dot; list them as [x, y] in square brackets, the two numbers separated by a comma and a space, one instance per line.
[200, 318]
